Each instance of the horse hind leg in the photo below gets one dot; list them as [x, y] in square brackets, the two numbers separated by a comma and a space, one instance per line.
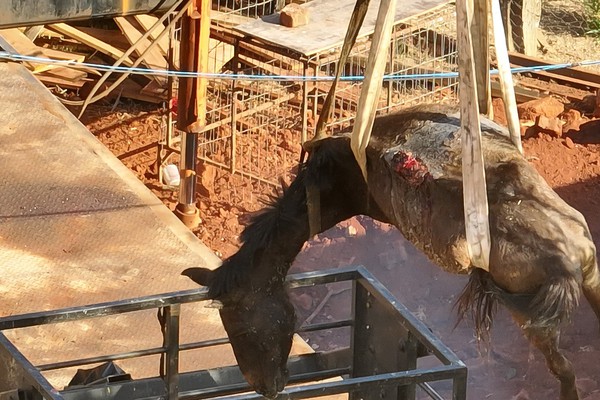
[591, 285]
[547, 341]
[541, 319]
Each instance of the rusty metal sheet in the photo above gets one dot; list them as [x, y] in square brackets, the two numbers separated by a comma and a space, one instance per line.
[16, 13]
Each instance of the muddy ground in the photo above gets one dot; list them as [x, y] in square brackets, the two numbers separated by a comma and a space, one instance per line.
[508, 369]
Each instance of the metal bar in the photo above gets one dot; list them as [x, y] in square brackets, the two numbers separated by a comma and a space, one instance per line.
[187, 188]
[327, 276]
[459, 390]
[409, 321]
[326, 325]
[172, 343]
[20, 368]
[304, 107]
[131, 354]
[103, 309]
[430, 391]
[366, 382]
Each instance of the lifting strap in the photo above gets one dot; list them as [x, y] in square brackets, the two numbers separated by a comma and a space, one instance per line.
[313, 199]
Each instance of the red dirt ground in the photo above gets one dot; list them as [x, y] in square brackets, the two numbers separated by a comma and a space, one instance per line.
[509, 368]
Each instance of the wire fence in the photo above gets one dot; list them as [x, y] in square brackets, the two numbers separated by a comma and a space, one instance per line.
[529, 24]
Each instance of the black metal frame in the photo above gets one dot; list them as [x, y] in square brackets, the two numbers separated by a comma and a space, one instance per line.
[380, 363]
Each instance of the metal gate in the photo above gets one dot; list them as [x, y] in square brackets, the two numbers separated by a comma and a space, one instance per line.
[386, 342]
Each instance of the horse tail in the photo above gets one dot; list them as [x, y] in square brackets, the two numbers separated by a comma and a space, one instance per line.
[553, 303]
[479, 300]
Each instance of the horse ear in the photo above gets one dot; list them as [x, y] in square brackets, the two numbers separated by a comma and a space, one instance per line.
[202, 276]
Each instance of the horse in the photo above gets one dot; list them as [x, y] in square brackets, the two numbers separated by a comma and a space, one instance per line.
[542, 254]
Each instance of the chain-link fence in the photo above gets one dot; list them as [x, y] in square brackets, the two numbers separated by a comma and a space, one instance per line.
[529, 22]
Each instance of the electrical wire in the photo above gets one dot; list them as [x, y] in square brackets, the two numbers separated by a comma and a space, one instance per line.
[257, 77]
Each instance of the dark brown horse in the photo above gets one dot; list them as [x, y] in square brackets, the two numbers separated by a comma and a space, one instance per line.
[542, 255]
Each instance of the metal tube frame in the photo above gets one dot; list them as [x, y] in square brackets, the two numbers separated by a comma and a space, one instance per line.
[380, 306]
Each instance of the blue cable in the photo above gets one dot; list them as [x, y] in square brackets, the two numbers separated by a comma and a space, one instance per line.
[355, 78]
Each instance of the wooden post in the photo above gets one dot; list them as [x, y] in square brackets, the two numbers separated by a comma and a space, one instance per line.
[191, 118]
[474, 185]
[506, 80]
[522, 19]
[481, 55]
[371, 89]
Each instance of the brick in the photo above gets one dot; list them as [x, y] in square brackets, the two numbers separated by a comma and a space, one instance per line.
[293, 15]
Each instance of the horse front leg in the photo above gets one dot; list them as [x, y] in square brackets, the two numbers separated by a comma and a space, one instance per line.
[547, 341]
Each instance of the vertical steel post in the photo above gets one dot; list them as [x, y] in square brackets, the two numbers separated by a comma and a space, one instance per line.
[387, 348]
[304, 135]
[172, 313]
[195, 36]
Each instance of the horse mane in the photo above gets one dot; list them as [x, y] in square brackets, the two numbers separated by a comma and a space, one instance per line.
[263, 228]
[283, 218]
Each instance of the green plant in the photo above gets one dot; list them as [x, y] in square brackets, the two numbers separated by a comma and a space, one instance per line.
[592, 14]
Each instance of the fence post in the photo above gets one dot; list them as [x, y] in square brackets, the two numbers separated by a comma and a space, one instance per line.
[522, 21]
[172, 313]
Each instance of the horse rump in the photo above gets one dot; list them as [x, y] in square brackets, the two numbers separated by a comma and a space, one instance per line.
[548, 308]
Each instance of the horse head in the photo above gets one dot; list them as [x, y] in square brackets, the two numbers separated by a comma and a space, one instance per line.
[260, 324]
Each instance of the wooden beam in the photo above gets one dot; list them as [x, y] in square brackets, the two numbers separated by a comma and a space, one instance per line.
[91, 41]
[147, 22]
[194, 57]
[481, 53]
[153, 58]
[523, 20]
[506, 80]
[371, 89]
[580, 74]
[474, 185]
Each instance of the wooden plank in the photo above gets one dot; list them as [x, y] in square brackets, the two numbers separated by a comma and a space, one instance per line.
[506, 79]
[522, 94]
[15, 41]
[148, 21]
[69, 74]
[131, 90]
[153, 58]
[474, 185]
[204, 42]
[554, 88]
[371, 89]
[580, 74]
[113, 36]
[91, 41]
[564, 80]
[531, 14]
[63, 83]
[481, 52]
[328, 21]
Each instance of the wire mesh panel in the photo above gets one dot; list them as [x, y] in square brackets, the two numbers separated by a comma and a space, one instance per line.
[255, 127]
[420, 46]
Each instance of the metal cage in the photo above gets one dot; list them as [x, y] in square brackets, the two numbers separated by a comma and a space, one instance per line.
[386, 344]
[255, 129]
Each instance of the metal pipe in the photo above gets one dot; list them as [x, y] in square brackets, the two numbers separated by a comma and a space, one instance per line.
[172, 343]
[17, 13]
[187, 165]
